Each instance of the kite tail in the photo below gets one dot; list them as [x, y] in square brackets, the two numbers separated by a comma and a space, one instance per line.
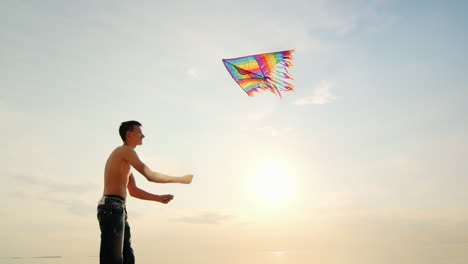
[279, 75]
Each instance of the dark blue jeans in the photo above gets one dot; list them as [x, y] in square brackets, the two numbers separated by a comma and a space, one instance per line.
[115, 231]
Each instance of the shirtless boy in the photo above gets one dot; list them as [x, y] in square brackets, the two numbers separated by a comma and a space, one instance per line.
[111, 211]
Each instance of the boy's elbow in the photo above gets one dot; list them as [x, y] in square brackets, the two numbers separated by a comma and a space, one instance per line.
[150, 179]
[132, 192]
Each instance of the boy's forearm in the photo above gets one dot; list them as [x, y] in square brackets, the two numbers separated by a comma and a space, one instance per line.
[143, 195]
[163, 178]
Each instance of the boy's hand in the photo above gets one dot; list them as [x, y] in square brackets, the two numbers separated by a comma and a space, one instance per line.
[165, 198]
[186, 179]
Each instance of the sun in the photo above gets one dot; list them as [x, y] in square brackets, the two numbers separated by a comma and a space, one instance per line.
[272, 184]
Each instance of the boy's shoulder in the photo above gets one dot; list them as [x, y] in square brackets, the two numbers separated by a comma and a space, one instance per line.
[123, 150]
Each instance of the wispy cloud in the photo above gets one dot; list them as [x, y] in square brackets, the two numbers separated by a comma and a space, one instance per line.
[38, 257]
[48, 257]
[210, 218]
[57, 193]
[321, 94]
[49, 186]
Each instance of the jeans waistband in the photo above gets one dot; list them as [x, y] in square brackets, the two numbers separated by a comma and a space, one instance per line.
[112, 197]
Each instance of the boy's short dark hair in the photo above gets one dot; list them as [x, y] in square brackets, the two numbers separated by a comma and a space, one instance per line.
[126, 127]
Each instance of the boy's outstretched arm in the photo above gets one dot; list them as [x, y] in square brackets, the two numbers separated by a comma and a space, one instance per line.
[132, 158]
[141, 194]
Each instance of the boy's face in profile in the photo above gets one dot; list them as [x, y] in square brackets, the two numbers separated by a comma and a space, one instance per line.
[136, 136]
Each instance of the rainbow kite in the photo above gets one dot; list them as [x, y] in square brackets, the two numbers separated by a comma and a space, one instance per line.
[267, 71]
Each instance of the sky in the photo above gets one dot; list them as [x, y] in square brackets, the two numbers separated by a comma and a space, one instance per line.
[364, 163]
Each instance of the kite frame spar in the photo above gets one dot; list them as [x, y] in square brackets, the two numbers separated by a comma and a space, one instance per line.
[274, 80]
